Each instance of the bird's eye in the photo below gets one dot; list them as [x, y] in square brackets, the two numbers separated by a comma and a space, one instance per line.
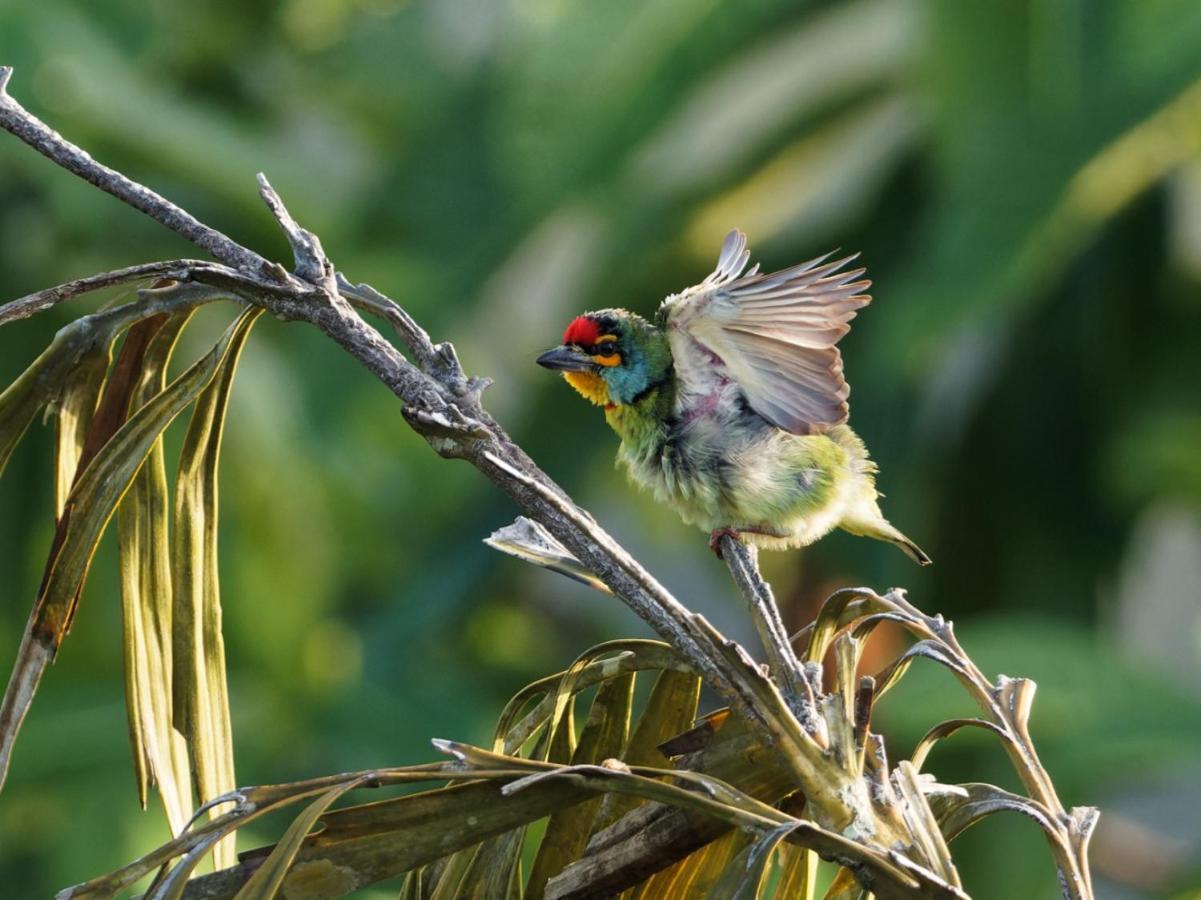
[608, 348]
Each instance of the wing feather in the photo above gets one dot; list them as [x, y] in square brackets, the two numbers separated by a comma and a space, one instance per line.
[773, 334]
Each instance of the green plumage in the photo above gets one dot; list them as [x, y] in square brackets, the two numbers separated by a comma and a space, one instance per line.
[690, 434]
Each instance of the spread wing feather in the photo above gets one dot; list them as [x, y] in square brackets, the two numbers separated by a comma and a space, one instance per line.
[773, 334]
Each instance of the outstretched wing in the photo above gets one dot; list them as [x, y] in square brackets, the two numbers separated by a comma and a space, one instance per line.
[773, 335]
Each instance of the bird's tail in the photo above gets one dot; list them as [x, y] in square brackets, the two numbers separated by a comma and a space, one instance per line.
[912, 550]
[882, 530]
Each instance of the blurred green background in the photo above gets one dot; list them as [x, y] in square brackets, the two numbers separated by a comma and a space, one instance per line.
[1022, 178]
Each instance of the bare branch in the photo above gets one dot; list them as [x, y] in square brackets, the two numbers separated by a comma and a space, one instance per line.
[743, 562]
[24, 307]
[312, 265]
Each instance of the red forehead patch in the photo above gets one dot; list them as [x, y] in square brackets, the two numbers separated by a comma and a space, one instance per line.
[583, 331]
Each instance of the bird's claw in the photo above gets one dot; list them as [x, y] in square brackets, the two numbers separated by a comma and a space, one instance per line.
[717, 534]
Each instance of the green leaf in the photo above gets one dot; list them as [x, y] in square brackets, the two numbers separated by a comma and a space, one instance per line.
[201, 696]
[605, 735]
[266, 880]
[159, 749]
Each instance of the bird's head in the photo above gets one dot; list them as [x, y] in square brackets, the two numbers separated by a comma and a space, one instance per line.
[612, 357]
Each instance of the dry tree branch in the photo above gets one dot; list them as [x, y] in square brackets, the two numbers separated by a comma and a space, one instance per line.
[24, 307]
[743, 562]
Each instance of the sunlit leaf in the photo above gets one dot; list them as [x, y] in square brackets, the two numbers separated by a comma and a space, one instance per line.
[798, 873]
[159, 749]
[268, 877]
[76, 405]
[669, 710]
[696, 874]
[88, 509]
[744, 875]
[604, 736]
[201, 698]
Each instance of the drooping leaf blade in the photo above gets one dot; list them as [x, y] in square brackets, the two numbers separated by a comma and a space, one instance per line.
[696, 874]
[744, 876]
[201, 696]
[266, 880]
[159, 750]
[670, 709]
[798, 873]
[77, 404]
[109, 467]
[605, 735]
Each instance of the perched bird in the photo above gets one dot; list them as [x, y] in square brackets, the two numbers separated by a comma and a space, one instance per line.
[732, 405]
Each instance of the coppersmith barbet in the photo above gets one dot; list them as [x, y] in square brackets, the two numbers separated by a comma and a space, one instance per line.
[732, 406]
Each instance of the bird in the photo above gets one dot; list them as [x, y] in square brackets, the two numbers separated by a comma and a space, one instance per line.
[731, 405]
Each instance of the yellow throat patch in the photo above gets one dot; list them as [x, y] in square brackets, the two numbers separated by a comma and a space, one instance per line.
[590, 386]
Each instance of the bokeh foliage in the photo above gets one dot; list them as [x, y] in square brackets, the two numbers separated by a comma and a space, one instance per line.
[1023, 181]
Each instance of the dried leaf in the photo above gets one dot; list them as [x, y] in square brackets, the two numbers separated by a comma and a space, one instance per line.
[798, 873]
[494, 868]
[605, 735]
[201, 697]
[142, 518]
[527, 540]
[744, 876]
[946, 729]
[923, 826]
[669, 710]
[845, 887]
[267, 878]
[696, 874]
[839, 610]
[588, 670]
[957, 811]
[76, 405]
[87, 511]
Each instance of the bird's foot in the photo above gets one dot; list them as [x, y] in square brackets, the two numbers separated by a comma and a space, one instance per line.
[717, 534]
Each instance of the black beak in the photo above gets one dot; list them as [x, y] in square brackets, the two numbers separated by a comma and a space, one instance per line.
[566, 359]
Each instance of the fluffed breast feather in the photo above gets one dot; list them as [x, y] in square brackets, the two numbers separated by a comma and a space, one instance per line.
[773, 335]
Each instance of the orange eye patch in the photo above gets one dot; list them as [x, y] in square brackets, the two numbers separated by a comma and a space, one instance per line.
[607, 342]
